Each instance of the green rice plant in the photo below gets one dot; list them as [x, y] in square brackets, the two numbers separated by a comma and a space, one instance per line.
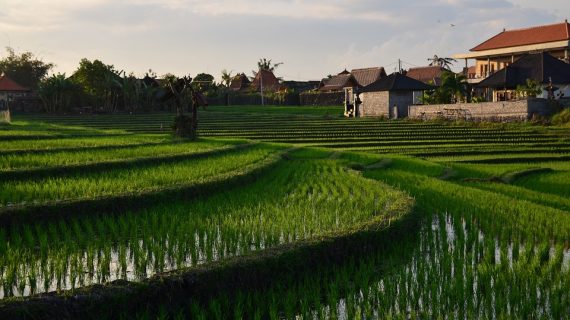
[86, 156]
[297, 204]
[130, 180]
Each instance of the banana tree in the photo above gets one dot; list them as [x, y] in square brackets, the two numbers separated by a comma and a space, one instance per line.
[183, 93]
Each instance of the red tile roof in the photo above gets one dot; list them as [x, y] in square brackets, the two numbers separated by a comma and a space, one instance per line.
[527, 36]
[7, 84]
[426, 74]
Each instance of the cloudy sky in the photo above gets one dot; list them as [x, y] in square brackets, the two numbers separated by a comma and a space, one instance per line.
[312, 38]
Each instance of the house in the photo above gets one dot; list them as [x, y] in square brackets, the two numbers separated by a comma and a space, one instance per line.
[338, 83]
[508, 46]
[350, 82]
[540, 67]
[357, 78]
[240, 83]
[388, 97]
[11, 92]
[367, 76]
[268, 81]
[429, 75]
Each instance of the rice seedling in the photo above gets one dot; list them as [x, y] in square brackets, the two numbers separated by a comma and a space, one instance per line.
[130, 179]
[491, 199]
[27, 161]
[303, 198]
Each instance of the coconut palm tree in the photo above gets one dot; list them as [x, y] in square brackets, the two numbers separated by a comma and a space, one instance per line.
[437, 61]
[227, 78]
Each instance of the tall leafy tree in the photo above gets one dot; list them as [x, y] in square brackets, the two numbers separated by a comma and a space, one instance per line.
[204, 82]
[24, 68]
[99, 82]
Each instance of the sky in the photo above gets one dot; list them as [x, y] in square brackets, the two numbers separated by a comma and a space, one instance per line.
[313, 38]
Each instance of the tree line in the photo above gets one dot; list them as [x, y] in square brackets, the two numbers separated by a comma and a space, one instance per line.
[101, 86]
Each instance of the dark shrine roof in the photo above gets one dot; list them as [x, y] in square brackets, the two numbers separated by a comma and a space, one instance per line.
[541, 67]
[397, 82]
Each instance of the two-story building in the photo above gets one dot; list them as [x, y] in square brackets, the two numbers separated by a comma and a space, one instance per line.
[508, 46]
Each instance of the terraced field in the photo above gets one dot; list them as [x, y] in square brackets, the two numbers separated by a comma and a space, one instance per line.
[282, 213]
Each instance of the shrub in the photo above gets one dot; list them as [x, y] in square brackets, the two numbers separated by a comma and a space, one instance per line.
[562, 118]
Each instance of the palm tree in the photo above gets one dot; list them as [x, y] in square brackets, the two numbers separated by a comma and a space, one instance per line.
[57, 92]
[441, 62]
[453, 87]
[227, 78]
[266, 64]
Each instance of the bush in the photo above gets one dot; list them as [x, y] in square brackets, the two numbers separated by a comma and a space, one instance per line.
[562, 118]
[182, 127]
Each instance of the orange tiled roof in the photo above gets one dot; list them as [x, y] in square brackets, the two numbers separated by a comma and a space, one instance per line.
[426, 74]
[7, 84]
[527, 36]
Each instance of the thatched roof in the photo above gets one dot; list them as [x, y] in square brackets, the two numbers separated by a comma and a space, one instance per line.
[367, 76]
[338, 82]
[396, 82]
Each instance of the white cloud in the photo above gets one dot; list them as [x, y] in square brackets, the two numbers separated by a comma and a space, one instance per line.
[313, 37]
[40, 15]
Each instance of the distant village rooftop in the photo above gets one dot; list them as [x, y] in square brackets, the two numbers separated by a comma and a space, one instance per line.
[7, 84]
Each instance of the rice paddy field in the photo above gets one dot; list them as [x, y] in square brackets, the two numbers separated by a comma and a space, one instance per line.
[282, 213]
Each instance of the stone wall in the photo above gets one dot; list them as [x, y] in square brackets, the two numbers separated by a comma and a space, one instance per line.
[375, 104]
[488, 111]
[322, 98]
